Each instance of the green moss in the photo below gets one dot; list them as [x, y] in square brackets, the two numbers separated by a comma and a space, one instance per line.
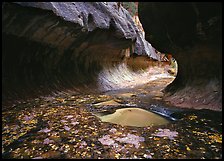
[131, 7]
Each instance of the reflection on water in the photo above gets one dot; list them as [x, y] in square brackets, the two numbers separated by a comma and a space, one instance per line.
[62, 125]
[134, 117]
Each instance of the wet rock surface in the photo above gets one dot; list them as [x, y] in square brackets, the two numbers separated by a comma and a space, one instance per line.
[46, 51]
[62, 126]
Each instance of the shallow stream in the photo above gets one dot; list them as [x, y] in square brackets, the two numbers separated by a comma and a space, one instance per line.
[131, 122]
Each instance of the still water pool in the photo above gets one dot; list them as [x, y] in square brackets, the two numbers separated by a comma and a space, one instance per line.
[134, 117]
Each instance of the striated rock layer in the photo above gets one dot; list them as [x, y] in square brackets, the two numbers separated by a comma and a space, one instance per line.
[192, 33]
[56, 46]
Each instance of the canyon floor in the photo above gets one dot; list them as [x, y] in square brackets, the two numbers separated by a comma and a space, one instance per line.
[64, 125]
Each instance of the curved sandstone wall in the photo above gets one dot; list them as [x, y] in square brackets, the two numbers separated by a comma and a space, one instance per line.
[50, 46]
[192, 33]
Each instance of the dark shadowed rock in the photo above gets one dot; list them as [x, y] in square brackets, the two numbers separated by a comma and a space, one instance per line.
[103, 15]
[57, 45]
[192, 32]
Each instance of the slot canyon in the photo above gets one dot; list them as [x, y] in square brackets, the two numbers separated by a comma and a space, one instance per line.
[111, 80]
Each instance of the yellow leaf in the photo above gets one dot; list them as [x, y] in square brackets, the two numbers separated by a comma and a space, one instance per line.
[176, 150]
[188, 149]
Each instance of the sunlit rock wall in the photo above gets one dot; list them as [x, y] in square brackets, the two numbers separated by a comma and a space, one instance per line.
[192, 33]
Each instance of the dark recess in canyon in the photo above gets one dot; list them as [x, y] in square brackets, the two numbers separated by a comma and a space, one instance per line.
[52, 46]
[44, 52]
[192, 33]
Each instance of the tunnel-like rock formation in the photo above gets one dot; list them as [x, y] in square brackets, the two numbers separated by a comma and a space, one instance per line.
[192, 33]
[50, 46]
